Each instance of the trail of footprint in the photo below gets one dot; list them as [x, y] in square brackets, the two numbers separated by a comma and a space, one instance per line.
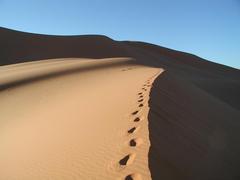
[128, 159]
[133, 176]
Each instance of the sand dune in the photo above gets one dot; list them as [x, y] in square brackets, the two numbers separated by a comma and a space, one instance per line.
[19, 47]
[74, 130]
[89, 107]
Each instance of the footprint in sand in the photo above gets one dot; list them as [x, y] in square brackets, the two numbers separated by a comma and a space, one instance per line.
[140, 100]
[128, 159]
[135, 112]
[133, 176]
[137, 119]
[141, 96]
[140, 105]
[127, 69]
[132, 130]
[140, 93]
[135, 142]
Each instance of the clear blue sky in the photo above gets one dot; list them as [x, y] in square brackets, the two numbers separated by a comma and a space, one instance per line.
[208, 28]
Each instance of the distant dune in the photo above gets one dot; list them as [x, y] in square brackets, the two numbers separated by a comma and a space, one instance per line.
[89, 107]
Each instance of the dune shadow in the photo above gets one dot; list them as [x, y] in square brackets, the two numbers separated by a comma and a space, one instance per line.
[67, 71]
[192, 135]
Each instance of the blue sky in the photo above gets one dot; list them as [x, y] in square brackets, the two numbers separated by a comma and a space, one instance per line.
[208, 28]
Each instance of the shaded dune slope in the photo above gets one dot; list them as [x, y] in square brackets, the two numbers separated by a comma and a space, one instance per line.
[193, 135]
[194, 105]
[51, 70]
[17, 47]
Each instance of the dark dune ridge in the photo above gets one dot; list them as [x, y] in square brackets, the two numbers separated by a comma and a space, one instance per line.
[194, 105]
[19, 47]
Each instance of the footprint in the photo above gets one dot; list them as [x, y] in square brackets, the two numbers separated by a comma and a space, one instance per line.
[135, 142]
[140, 93]
[141, 96]
[140, 100]
[128, 159]
[132, 130]
[133, 176]
[135, 112]
[140, 105]
[137, 119]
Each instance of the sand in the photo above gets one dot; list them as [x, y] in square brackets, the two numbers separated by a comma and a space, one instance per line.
[78, 125]
[89, 107]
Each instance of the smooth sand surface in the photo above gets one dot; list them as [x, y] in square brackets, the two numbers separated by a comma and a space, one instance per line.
[85, 124]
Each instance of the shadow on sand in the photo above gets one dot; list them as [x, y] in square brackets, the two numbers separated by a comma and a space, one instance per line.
[67, 71]
[192, 134]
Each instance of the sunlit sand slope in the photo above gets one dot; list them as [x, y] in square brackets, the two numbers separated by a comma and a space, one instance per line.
[75, 119]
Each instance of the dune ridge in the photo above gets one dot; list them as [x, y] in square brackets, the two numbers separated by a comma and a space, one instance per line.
[89, 107]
